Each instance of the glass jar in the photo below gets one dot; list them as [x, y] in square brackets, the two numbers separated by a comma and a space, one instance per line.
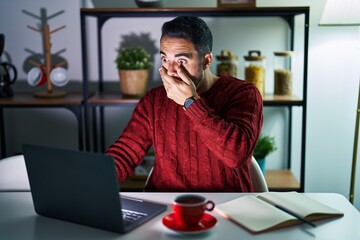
[255, 70]
[228, 64]
[282, 73]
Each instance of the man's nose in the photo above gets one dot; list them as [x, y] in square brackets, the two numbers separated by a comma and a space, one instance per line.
[172, 69]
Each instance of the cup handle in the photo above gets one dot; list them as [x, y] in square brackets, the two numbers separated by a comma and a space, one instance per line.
[13, 68]
[209, 206]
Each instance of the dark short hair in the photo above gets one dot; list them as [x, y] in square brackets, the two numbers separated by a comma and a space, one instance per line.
[191, 28]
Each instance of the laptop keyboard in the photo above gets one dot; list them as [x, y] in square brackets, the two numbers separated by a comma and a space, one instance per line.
[131, 216]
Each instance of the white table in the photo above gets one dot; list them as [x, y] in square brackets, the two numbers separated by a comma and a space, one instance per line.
[19, 221]
[13, 174]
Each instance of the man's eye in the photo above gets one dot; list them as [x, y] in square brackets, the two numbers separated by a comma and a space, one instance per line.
[182, 61]
[164, 60]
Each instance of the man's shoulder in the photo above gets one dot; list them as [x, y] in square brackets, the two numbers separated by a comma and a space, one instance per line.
[234, 88]
[233, 82]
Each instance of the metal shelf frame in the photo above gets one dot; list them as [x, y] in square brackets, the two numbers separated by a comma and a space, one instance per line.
[103, 14]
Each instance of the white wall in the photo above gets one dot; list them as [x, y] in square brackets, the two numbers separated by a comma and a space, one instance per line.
[333, 79]
[334, 60]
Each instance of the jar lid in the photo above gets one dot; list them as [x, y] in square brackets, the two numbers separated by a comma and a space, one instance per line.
[226, 55]
[285, 53]
[251, 57]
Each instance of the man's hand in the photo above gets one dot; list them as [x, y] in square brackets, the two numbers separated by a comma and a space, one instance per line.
[178, 89]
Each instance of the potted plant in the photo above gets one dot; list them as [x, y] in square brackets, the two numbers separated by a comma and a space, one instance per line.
[133, 65]
[264, 146]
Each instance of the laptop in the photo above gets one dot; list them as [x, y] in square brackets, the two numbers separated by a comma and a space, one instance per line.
[82, 187]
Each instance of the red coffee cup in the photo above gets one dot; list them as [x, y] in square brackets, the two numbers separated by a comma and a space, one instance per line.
[36, 77]
[189, 209]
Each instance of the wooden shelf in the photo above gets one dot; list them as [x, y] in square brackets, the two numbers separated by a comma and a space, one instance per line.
[164, 12]
[282, 100]
[28, 99]
[281, 180]
[111, 98]
[118, 98]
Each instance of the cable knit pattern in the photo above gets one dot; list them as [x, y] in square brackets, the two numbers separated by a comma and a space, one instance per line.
[208, 147]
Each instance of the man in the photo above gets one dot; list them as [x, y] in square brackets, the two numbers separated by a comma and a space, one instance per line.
[203, 127]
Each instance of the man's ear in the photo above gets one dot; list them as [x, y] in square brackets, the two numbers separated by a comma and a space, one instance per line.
[208, 58]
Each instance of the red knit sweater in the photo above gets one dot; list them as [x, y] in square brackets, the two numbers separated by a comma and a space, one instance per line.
[205, 148]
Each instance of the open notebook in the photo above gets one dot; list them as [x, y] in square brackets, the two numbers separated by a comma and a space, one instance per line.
[260, 213]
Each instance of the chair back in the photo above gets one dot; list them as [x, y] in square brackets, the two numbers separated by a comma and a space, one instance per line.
[13, 174]
[257, 177]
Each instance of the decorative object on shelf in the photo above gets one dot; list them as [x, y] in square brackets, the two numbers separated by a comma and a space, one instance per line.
[236, 3]
[59, 76]
[8, 73]
[282, 73]
[345, 13]
[228, 64]
[150, 3]
[264, 146]
[36, 76]
[255, 70]
[133, 65]
[48, 73]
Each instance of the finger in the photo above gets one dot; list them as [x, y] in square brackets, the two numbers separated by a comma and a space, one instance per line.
[162, 72]
[184, 74]
[165, 77]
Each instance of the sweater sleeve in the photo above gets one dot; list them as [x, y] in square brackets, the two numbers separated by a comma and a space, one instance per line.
[231, 132]
[131, 147]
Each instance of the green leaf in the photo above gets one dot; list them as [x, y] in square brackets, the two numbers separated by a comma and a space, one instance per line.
[264, 146]
[133, 58]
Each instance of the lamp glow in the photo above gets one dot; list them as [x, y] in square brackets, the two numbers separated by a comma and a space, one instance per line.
[345, 13]
[341, 13]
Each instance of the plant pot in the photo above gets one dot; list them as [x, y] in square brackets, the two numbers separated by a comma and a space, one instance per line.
[261, 163]
[133, 82]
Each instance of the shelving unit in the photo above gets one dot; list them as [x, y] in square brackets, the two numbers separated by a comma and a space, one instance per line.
[277, 180]
[72, 102]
